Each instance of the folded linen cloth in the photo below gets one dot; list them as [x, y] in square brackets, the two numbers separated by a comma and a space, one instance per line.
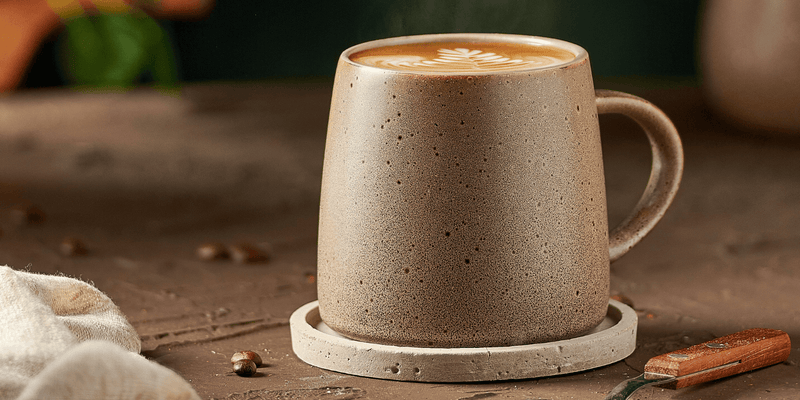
[61, 338]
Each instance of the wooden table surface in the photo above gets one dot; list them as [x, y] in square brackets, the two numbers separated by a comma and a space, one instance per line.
[145, 178]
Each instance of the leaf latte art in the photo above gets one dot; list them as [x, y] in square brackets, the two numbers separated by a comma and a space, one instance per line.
[463, 59]
[436, 57]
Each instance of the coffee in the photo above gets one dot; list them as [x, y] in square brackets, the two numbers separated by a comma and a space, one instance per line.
[463, 56]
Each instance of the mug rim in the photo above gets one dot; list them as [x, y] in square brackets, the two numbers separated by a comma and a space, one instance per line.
[580, 53]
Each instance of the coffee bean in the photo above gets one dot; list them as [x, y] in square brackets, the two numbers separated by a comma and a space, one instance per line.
[72, 247]
[247, 355]
[212, 251]
[244, 368]
[26, 215]
[244, 253]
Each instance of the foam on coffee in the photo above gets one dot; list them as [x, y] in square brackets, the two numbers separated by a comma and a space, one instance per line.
[462, 56]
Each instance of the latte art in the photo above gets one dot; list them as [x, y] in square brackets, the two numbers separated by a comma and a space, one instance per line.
[462, 57]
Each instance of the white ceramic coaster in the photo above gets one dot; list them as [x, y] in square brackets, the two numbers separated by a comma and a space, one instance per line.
[316, 344]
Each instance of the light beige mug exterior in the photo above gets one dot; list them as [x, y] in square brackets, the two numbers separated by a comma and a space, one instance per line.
[468, 209]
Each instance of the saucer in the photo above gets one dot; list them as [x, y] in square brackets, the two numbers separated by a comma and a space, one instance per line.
[318, 345]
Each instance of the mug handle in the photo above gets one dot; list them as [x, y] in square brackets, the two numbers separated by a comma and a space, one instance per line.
[665, 175]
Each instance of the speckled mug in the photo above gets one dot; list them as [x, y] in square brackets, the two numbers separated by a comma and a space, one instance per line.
[468, 209]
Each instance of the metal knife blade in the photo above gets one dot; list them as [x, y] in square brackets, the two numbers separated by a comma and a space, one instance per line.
[725, 356]
[626, 388]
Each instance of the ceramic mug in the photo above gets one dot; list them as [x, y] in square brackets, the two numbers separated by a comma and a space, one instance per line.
[466, 207]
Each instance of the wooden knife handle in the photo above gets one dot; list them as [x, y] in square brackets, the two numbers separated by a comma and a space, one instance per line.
[725, 356]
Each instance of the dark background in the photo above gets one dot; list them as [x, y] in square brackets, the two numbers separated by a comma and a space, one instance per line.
[257, 40]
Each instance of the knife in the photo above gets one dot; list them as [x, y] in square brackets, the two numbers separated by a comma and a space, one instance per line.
[725, 356]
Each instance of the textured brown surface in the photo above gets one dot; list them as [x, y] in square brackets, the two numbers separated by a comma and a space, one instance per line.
[144, 180]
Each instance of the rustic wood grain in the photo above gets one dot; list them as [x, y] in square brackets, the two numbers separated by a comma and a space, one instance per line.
[743, 351]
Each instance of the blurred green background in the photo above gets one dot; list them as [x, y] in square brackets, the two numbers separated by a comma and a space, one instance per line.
[257, 40]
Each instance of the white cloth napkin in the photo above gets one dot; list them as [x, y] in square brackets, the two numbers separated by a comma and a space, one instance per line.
[61, 338]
